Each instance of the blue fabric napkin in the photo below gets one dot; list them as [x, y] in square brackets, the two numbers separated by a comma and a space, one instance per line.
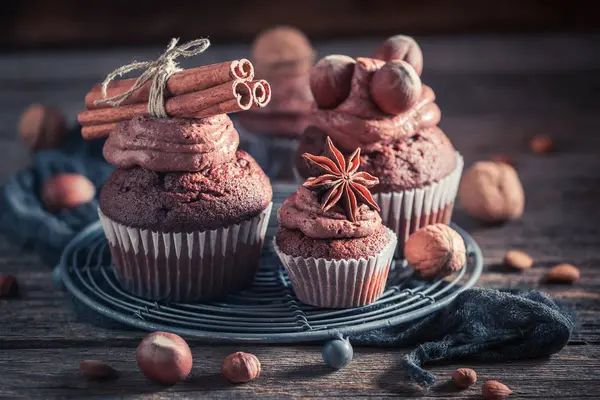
[480, 324]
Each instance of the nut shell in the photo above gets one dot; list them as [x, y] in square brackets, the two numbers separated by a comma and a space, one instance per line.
[494, 390]
[401, 47]
[395, 87]
[435, 251]
[563, 273]
[330, 80]
[164, 357]
[240, 367]
[492, 192]
[41, 127]
[464, 377]
[67, 191]
[519, 260]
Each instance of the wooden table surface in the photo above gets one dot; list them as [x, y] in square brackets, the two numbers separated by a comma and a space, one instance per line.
[495, 94]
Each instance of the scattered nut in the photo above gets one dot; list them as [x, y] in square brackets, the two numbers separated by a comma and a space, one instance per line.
[503, 158]
[97, 370]
[41, 127]
[282, 49]
[516, 259]
[8, 286]
[395, 87]
[240, 367]
[435, 251]
[330, 80]
[403, 48]
[494, 390]
[563, 273]
[541, 144]
[164, 357]
[67, 191]
[464, 377]
[492, 192]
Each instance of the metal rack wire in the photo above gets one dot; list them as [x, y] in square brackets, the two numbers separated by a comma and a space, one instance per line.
[267, 312]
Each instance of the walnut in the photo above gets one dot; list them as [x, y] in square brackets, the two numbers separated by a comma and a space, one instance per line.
[492, 192]
[240, 367]
[464, 377]
[435, 251]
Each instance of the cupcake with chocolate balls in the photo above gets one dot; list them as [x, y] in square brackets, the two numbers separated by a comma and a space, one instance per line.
[331, 240]
[283, 56]
[380, 105]
[185, 212]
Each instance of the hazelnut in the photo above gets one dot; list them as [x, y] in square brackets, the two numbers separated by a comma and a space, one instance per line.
[563, 273]
[516, 259]
[41, 127]
[464, 377]
[67, 191]
[494, 390]
[541, 144]
[240, 367]
[164, 357]
[503, 158]
[97, 370]
[395, 87]
[403, 48]
[435, 251]
[492, 192]
[8, 286]
[281, 49]
[330, 80]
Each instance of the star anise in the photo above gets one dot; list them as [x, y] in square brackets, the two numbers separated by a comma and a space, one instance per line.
[340, 181]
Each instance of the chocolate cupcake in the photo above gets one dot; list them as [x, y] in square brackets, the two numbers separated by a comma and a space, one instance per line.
[185, 212]
[284, 57]
[383, 108]
[331, 240]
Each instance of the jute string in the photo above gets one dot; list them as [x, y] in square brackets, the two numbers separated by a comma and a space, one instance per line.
[159, 71]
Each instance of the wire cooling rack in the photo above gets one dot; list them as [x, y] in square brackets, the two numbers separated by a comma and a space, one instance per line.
[267, 312]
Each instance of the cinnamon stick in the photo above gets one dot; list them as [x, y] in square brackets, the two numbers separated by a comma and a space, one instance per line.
[187, 81]
[236, 94]
[261, 92]
[97, 131]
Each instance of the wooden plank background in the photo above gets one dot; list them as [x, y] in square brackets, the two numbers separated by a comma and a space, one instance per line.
[495, 93]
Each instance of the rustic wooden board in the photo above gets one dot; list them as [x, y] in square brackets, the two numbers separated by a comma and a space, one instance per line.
[495, 94]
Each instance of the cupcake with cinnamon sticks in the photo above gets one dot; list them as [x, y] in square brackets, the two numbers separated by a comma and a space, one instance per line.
[185, 211]
[331, 240]
[283, 56]
[380, 105]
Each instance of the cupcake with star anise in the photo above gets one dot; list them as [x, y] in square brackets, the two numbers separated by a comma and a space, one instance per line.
[331, 240]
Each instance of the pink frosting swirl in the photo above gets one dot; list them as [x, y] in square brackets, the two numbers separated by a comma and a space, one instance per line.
[358, 122]
[166, 145]
[302, 211]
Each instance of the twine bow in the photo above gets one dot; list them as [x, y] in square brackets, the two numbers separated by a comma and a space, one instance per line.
[159, 71]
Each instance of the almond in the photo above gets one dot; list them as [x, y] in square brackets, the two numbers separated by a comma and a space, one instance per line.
[494, 390]
[8, 286]
[97, 370]
[516, 259]
[563, 273]
[464, 377]
[504, 159]
[541, 144]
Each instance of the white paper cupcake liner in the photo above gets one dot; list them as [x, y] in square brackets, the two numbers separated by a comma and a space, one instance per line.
[407, 211]
[339, 283]
[185, 267]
